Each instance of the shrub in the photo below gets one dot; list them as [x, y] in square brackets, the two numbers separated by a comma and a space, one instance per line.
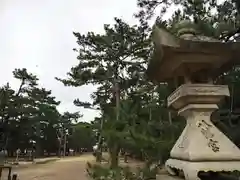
[99, 172]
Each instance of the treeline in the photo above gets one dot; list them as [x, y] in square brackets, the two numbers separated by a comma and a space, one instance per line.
[29, 119]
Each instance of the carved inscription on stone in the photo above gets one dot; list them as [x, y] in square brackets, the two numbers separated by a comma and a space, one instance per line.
[207, 114]
[214, 145]
[205, 130]
[181, 144]
[204, 90]
[216, 90]
[184, 141]
[174, 96]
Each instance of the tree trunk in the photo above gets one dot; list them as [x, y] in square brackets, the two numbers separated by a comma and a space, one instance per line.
[98, 156]
[113, 152]
[38, 143]
[64, 145]
[99, 149]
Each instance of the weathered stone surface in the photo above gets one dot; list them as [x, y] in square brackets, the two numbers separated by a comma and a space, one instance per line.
[189, 53]
[201, 146]
[197, 94]
[192, 169]
[201, 140]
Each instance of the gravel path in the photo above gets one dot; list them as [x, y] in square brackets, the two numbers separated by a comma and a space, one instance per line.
[71, 168]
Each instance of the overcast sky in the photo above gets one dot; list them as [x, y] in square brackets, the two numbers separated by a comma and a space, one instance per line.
[37, 35]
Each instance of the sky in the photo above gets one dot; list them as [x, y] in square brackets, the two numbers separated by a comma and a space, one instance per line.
[37, 35]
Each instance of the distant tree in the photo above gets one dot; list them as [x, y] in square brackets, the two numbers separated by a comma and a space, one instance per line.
[28, 114]
[82, 136]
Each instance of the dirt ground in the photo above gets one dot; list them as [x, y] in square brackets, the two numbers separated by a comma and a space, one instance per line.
[70, 168]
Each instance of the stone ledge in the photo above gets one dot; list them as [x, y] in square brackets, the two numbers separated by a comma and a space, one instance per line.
[197, 94]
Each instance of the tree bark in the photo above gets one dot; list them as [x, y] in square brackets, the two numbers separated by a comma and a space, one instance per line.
[113, 152]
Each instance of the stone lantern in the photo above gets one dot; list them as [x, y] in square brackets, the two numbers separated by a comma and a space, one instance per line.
[193, 61]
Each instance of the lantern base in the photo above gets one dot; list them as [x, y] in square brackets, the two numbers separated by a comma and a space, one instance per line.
[191, 170]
